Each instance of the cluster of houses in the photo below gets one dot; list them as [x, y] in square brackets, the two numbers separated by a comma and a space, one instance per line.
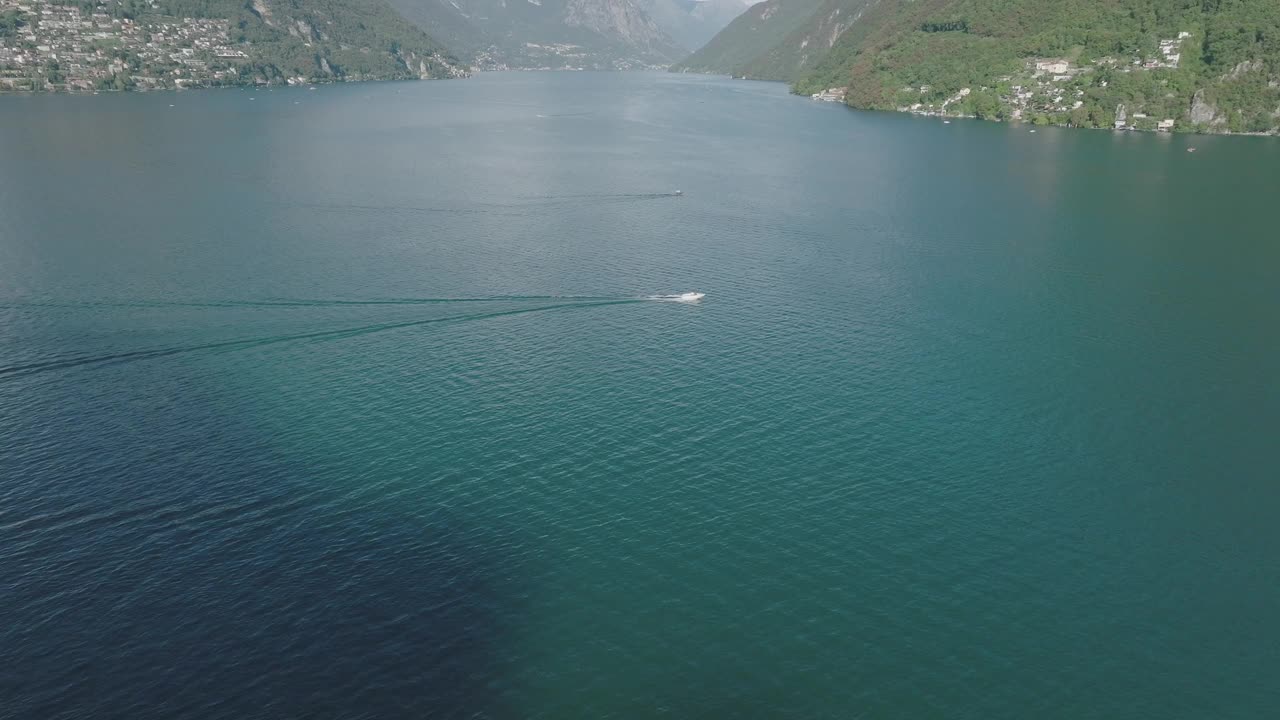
[1044, 92]
[559, 56]
[1049, 90]
[1048, 87]
[930, 109]
[1124, 121]
[1023, 99]
[61, 47]
[1169, 57]
[1170, 53]
[830, 95]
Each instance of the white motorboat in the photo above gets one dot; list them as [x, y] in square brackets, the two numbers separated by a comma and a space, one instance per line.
[689, 297]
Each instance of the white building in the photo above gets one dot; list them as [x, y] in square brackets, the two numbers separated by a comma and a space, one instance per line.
[1055, 66]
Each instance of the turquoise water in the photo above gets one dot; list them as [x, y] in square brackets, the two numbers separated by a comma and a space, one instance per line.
[348, 403]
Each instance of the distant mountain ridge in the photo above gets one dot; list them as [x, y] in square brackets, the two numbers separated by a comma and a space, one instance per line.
[692, 23]
[560, 34]
[776, 39]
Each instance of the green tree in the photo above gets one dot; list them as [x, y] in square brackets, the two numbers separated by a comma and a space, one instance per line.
[53, 73]
[1098, 117]
[986, 105]
[9, 23]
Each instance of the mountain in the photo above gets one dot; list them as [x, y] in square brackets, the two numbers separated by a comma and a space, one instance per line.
[775, 40]
[128, 44]
[1208, 65]
[692, 23]
[557, 34]
[317, 39]
[554, 34]
[327, 39]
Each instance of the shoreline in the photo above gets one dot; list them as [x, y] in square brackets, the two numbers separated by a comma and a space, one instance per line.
[228, 86]
[948, 116]
[1019, 123]
[791, 89]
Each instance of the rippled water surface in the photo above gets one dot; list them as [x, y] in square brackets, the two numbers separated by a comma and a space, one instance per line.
[348, 403]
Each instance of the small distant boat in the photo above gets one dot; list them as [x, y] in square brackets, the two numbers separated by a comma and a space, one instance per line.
[679, 192]
[690, 297]
[1191, 149]
[946, 122]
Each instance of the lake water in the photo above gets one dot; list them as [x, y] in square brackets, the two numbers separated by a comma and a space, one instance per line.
[346, 403]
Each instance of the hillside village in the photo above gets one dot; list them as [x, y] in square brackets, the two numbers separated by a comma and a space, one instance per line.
[98, 45]
[47, 46]
[1052, 89]
[1055, 85]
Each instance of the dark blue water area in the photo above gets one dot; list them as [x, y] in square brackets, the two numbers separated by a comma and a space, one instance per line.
[173, 563]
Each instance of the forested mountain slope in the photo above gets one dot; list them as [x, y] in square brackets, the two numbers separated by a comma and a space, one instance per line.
[1203, 64]
[805, 46]
[752, 36]
[1210, 65]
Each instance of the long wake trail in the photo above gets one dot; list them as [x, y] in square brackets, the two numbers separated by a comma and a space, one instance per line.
[605, 196]
[513, 209]
[17, 371]
[300, 302]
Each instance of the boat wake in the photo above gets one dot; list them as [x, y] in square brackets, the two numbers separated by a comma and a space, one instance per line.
[607, 196]
[297, 302]
[512, 208]
[16, 371]
[565, 302]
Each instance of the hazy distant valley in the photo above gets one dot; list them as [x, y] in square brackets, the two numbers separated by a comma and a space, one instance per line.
[572, 34]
